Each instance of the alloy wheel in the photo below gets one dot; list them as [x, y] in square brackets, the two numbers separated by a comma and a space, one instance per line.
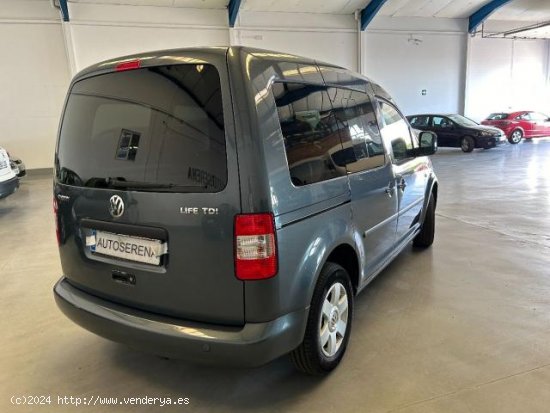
[516, 136]
[334, 320]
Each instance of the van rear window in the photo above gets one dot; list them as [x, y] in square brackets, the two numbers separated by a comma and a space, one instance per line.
[153, 129]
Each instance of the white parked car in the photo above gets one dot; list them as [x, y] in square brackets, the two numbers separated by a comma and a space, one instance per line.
[8, 179]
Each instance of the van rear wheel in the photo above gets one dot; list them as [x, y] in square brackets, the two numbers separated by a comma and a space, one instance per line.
[329, 323]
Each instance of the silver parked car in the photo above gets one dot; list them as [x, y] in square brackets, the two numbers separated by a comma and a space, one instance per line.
[226, 205]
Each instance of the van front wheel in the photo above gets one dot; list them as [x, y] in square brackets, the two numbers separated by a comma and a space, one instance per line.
[467, 144]
[425, 237]
[329, 323]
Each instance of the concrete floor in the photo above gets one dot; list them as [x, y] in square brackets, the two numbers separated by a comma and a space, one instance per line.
[462, 327]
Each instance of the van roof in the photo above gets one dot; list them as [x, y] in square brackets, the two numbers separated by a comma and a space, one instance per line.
[171, 56]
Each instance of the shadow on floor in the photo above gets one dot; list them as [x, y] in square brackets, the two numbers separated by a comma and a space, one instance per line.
[272, 386]
[228, 388]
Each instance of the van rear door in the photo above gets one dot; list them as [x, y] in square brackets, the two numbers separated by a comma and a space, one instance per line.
[147, 187]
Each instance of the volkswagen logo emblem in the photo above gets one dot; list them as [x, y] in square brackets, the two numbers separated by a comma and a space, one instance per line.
[116, 206]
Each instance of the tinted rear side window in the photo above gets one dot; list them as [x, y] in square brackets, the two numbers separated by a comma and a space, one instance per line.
[310, 131]
[159, 128]
[497, 116]
[363, 147]
[422, 121]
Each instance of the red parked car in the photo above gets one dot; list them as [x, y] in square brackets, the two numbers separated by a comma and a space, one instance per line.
[518, 125]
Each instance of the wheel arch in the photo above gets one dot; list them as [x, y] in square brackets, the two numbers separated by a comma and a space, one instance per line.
[330, 236]
[346, 256]
[512, 131]
[469, 135]
[517, 127]
[431, 188]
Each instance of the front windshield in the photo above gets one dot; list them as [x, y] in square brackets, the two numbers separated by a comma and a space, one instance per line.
[462, 121]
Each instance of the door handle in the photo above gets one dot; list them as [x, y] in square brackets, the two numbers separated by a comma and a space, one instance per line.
[389, 190]
[402, 185]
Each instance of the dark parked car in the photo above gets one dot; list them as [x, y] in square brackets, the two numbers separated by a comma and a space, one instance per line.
[519, 125]
[193, 229]
[457, 131]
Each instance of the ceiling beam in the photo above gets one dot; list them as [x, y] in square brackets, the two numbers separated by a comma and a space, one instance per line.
[483, 12]
[64, 10]
[233, 10]
[368, 13]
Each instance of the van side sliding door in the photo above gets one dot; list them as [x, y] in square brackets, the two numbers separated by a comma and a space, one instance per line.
[373, 192]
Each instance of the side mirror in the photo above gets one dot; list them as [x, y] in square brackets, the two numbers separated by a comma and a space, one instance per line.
[428, 144]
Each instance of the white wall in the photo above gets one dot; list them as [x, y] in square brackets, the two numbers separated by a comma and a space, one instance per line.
[33, 97]
[505, 75]
[33, 79]
[437, 64]
[44, 54]
[99, 32]
[407, 55]
[325, 37]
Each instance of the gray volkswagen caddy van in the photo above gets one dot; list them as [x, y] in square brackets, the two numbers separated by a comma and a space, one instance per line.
[225, 205]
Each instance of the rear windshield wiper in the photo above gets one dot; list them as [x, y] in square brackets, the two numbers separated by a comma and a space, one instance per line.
[121, 183]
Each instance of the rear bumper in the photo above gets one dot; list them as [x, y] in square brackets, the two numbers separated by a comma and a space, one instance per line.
[251, 345]
[8, 187]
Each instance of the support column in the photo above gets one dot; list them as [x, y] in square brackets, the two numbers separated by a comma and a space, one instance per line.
[359, 42]
[234, 37]
[69, 47]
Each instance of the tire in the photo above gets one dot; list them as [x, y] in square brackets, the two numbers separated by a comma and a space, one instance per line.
[425, 237]
[515, 137]
[317, 355]
[467, 144]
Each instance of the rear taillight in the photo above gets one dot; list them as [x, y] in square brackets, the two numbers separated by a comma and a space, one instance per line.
[255, 247]
[56, 218]
[129, 65]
